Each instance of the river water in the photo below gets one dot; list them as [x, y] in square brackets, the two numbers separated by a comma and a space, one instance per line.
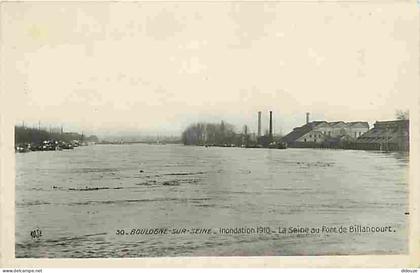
[99, 200]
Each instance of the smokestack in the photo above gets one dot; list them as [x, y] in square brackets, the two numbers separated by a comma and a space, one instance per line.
[259, 123]
[307, 117]
[270, 131]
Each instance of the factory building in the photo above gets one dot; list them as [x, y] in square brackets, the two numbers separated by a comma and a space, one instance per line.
[315, 133]
[322, 131]
[387, 135]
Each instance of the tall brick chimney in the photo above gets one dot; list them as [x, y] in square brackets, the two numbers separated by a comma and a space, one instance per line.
[270, 132]
[307, 117]
[259, 123]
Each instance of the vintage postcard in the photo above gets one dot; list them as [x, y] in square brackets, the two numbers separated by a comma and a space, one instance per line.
[210, 133]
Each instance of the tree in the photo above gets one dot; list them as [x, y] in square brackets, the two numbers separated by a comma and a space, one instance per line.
[402, 115]
[208, 133]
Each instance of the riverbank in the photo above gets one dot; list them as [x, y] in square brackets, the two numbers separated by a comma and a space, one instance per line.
[38, 139]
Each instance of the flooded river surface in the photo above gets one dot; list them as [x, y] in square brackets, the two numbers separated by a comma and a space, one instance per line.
[105, 200]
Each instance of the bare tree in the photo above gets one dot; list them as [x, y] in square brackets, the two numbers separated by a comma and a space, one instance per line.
[209, 133]
[402, 114]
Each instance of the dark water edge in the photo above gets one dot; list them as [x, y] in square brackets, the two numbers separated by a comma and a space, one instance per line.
[80, 198]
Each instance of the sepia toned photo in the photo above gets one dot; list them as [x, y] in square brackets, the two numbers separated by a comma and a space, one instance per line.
[210, 129]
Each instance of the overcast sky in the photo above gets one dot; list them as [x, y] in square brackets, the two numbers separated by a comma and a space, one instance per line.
[156, 67]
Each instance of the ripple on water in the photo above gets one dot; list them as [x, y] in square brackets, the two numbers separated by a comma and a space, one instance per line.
[178, 186]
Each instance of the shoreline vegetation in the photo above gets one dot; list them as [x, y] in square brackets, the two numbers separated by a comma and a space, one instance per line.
[224, 135]
[38, 139]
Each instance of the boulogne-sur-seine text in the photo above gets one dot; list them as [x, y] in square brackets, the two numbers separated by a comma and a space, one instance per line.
[256, 230]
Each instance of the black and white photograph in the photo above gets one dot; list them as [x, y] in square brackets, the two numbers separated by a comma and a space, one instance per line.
[210, 129]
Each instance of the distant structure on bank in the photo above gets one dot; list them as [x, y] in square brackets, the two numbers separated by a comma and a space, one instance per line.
[317, 132]
[387, 135]
[42, 139]
[268, 139]
[223, 134]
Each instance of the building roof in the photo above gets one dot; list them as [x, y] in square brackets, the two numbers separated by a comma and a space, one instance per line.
[357, 123]
[336, 123]
[340, 124]
[392, 123]
[386, 131]
[300, 131]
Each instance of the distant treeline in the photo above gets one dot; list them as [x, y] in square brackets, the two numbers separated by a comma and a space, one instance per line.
[141, 139]
[37, 136]
[211, 134]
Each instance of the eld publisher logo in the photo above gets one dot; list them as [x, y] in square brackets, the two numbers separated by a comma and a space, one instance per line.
[36, 234]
